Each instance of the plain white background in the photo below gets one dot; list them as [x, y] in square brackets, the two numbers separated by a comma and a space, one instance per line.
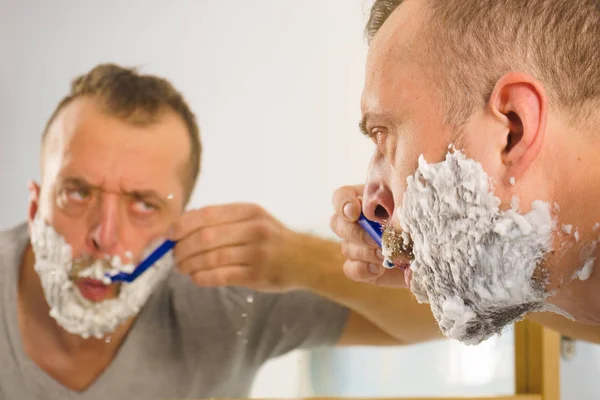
[276, 88]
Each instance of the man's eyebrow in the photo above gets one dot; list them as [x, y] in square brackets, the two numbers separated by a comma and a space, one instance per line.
[77, 181]
[136, 193]
[362, 125]
[144, 194]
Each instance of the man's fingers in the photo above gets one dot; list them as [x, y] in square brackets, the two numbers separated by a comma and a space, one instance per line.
[346, 202]
[212, 216]
[248, 254]
[376, 274]
[350, 231]
[361, 271]
[360, 252]
[213, 237]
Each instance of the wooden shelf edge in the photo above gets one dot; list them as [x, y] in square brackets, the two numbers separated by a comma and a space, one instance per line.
[513, 397]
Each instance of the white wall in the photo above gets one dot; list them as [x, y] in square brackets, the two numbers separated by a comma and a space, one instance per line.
[260, 74]
[280, 74]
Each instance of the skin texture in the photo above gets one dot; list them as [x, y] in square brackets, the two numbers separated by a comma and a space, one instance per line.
[516, 134]
[221, 245]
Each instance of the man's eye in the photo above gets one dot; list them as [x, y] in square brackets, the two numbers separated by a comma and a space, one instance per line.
[144, 207]
[78, 194]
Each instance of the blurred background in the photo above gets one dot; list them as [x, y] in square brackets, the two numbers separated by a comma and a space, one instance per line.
[276, 88]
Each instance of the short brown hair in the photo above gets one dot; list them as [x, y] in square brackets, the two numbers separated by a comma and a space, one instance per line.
[380, 11]
[475, 42]
[138, 99]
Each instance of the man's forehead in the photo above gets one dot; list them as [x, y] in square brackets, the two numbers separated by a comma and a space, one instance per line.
[62, 127]
[393, 53]
[84, 123]
[81, 119]
[399, 35]
[83, 140]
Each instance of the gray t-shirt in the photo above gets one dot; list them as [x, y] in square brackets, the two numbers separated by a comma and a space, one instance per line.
[187, 341]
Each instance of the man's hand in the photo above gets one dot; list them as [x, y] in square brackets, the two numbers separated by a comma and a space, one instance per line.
[243, 245]
[363, 257]
[234, 244]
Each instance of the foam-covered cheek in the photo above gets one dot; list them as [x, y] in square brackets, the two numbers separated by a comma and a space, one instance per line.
[71, 311]
[470, 257]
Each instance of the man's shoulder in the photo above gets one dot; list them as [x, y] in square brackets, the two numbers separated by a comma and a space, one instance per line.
[14, 237]
[184, 293]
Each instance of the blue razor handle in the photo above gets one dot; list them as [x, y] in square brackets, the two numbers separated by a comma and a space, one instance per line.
[144, 265]
[375, 231]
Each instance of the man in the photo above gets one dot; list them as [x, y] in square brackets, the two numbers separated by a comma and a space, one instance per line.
[485, 118]
[120, 157]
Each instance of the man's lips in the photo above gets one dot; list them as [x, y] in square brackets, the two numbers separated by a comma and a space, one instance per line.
[93, 289]
[402, 265]
[401, 261]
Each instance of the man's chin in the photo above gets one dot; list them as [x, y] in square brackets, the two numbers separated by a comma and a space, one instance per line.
[415, 284]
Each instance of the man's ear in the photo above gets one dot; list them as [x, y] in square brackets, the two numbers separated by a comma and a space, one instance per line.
[34, 200]
[519, 102]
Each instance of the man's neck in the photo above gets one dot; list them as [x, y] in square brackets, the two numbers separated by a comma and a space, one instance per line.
[577, 189]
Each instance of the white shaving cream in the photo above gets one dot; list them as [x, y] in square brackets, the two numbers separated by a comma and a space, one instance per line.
[73, 312]
[478, 266]
[587, 269]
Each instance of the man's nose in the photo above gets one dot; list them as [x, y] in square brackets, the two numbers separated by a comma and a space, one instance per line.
[378, 202]
[104, 233]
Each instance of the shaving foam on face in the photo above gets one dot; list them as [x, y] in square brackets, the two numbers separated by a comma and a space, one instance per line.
[478, 266]
[73, 312]
[394, 244]
[587, 269]
[588, 266]
[97, 270]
